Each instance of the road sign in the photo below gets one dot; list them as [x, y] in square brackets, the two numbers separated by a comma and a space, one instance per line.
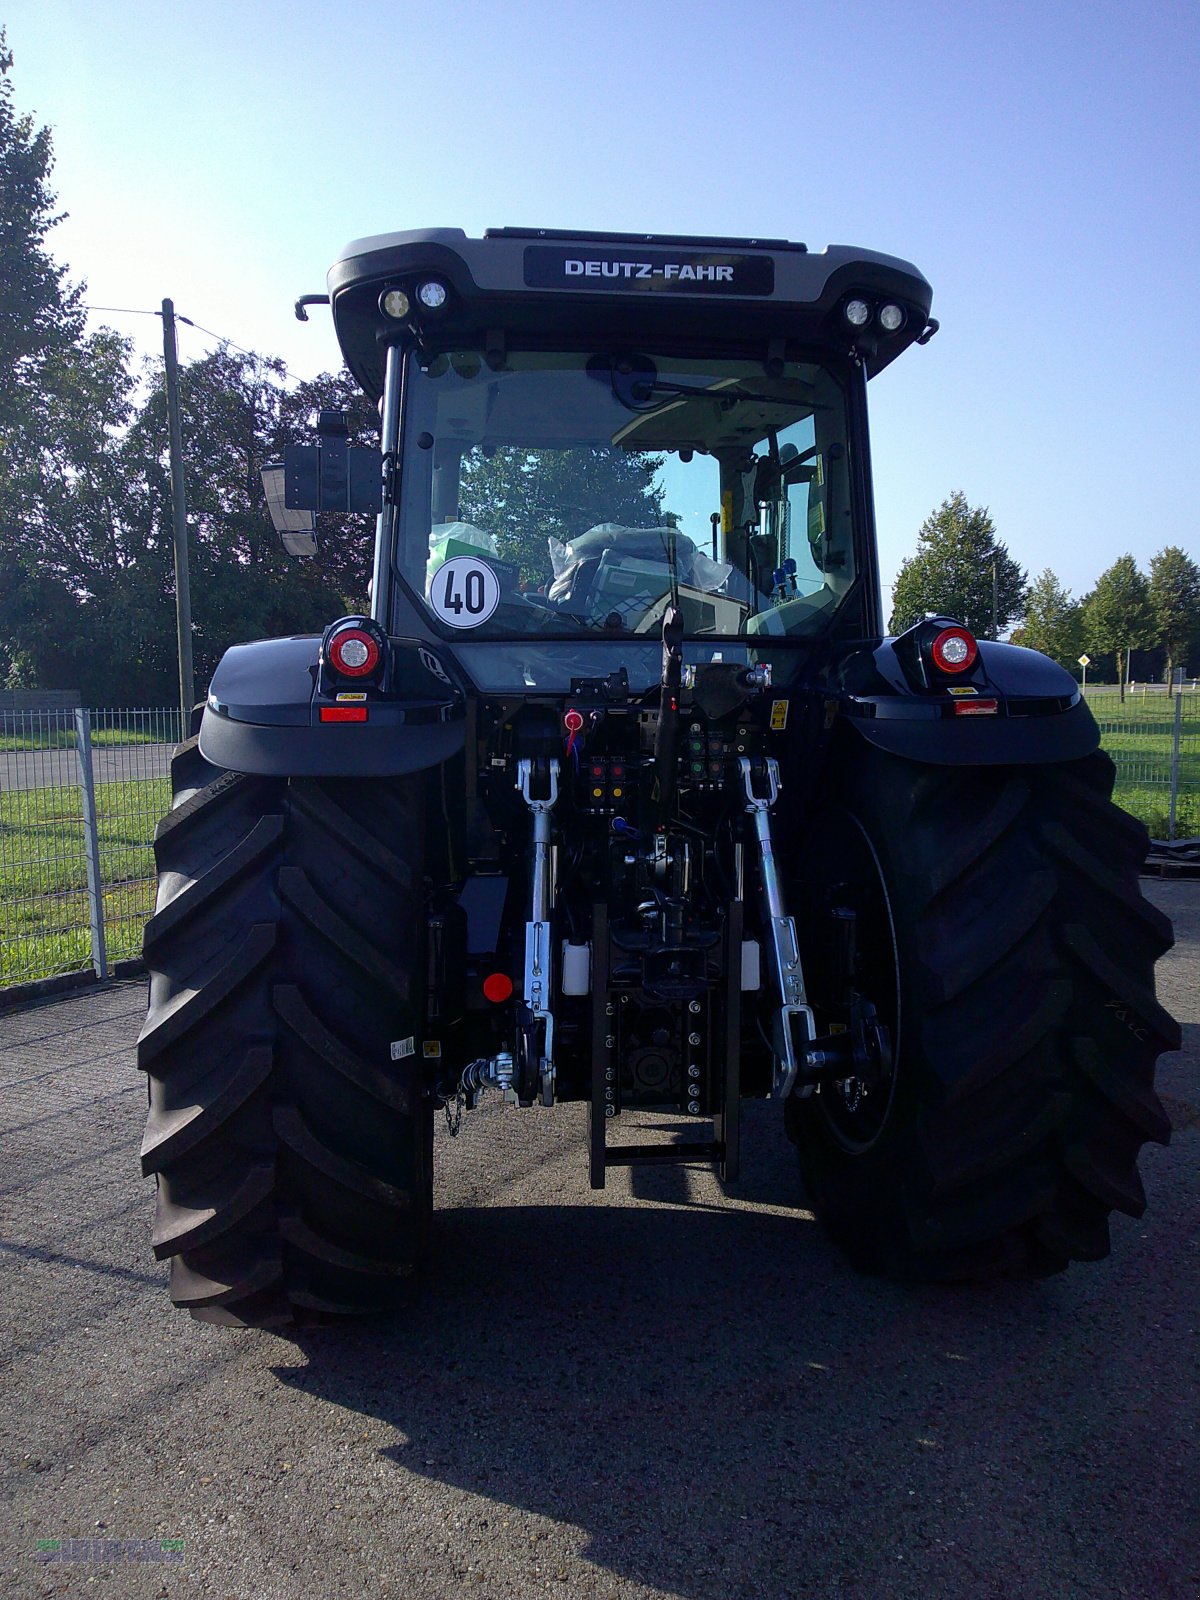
[1085, 661]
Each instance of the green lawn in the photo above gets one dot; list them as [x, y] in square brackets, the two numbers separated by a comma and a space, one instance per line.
[158, 728]
[44, 927]
[1139, 735]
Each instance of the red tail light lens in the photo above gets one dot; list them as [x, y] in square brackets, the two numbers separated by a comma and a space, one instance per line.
[954, 650]
[353, 653]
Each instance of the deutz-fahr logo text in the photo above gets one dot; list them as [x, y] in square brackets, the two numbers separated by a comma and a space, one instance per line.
[638, 270]
[685, 271]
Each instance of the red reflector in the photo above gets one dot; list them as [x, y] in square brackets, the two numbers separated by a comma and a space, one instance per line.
[343, 713]
[976, 708]
[497, 987]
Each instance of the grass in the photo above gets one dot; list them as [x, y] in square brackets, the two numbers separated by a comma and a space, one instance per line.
[1139, 736]
[159, 728]
[44, 920]
[44, 927]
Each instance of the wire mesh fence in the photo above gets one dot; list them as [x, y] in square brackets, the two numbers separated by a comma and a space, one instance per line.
[81, 792]
[1153, 736]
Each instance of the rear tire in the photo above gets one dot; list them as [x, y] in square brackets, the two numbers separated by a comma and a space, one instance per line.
[1007, 946]
[293, 1156]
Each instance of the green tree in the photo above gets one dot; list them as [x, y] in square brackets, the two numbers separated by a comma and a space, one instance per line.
[64, 398]
[1053, 622]
[41, 313]
[525, 498]
[1117, 615]
[958, 553]
[86, 571]
[237, 414]
[1175, 604]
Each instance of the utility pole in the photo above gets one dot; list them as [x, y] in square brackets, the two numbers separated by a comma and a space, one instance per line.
[995, 633]
[183, 593]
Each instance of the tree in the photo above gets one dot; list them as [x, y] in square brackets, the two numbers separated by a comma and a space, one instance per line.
[86, 571]
[41, 312]
[959, 567]
[1053, 623]
[64, 397]
[527, 497]
[1175, 603]
[236, 416]
[1117, 616]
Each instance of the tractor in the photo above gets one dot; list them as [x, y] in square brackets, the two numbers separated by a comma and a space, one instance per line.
[618, 792]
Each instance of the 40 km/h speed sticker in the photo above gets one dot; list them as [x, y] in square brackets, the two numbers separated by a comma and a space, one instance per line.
[464, 592]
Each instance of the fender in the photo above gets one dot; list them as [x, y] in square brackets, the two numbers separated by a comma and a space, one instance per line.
[263, 715]
[1040, 715]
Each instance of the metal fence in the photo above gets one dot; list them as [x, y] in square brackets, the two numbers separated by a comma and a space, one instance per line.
[1153, 736]
[81, 792]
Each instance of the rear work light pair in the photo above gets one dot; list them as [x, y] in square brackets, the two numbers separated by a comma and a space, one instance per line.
[858, 313]
[396, 303]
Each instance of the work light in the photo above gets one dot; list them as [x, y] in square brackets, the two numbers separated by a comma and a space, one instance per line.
[432, 294]
[394, 303]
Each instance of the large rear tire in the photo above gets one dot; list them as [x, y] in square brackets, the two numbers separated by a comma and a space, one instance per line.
[1005, 942]
[293, 1156]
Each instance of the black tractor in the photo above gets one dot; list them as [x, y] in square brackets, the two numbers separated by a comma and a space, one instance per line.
[621, 795]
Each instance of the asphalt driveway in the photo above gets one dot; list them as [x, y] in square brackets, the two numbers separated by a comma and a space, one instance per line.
[664, 1390]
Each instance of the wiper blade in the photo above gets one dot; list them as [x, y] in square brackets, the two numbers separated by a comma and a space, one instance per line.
[726, 390]
[634, 382]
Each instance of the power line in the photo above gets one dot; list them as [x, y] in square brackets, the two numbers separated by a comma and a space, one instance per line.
[131, 311]
[253, 354]
[136, 311]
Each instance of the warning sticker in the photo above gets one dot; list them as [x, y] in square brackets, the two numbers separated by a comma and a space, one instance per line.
[464, 592]
[779, 711]
[403, 1047]
[431, 1049]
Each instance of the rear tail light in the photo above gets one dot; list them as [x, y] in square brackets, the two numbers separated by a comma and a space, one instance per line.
[953, 650]
[353, 654]
[354, 648]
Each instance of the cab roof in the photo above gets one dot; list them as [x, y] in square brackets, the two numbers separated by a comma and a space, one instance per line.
[550, 287]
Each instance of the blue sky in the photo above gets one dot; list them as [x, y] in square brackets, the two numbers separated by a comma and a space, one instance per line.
[1037, 162]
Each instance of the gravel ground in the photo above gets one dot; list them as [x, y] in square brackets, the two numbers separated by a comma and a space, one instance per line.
[665, 1390]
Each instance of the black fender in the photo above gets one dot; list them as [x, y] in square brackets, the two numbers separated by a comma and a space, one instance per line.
[263, 714]
[1014, 707]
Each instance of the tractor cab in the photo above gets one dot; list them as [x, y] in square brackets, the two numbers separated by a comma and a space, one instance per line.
[586, 432]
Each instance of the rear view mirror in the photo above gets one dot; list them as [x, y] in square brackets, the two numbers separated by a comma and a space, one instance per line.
[297, 529]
